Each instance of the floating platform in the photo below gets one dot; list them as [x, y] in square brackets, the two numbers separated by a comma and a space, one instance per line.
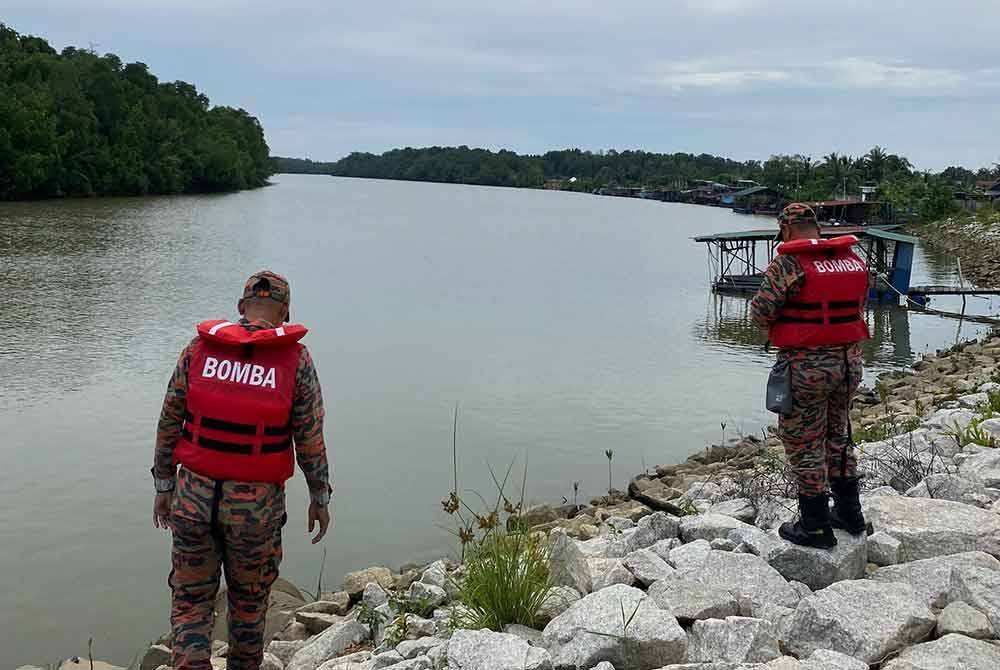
[738, 259]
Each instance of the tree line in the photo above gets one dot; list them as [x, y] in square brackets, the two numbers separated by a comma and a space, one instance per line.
[796, 176]
[73, 123]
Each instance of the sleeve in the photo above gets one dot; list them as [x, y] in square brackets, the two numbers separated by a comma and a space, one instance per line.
[782, 279]
[307, 429]
[168, 429]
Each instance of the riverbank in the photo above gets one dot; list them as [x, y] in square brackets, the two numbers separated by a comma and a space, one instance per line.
[974, 238]
[689, 552]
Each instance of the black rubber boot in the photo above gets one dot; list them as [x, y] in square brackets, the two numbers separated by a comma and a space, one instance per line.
[846, 512]
[813, 527]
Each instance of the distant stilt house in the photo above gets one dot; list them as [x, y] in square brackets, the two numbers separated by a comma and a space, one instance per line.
[984, 194]
[854, 212]
[754, 200]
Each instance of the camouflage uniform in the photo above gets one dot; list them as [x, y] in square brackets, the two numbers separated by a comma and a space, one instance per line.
[816, 433]
[231, 526]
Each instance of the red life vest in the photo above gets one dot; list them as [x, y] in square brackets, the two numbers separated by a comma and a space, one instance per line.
[829, 307]
[241, 383]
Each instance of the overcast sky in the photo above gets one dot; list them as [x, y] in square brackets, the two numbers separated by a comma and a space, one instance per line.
[740, 78]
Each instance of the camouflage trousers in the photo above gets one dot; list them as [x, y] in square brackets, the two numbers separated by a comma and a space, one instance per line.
[233, 527]
[815, 432]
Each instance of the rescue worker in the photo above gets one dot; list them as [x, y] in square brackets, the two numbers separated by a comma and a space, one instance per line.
[241, 395]
[812, 302]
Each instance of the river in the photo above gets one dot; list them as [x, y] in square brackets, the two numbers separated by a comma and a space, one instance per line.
[562, 324]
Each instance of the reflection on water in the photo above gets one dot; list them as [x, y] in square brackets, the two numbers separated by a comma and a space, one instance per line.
[898, 335]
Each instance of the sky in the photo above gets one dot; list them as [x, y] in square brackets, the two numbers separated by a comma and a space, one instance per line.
[739, 78]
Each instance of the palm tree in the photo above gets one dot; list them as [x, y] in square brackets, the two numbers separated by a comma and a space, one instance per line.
[875, 163]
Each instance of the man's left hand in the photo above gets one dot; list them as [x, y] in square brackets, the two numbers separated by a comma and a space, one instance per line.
[321, 515]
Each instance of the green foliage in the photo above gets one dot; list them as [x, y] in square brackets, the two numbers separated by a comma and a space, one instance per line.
[283, 165]
[76, 124]
[369, 616]
[506, 581]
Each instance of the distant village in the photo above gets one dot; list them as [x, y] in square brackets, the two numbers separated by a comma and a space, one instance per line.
[746, 196]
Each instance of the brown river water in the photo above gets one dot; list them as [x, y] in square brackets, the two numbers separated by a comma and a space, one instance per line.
[563, 325]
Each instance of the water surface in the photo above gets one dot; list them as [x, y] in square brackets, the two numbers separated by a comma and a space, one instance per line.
[563, 325]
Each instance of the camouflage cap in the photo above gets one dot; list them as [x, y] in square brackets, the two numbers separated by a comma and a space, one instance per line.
[267, 284]
[797, 212]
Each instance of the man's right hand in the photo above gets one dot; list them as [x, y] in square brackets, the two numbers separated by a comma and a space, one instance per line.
[161, 510]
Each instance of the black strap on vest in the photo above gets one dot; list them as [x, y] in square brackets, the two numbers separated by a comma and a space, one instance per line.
[243, 429]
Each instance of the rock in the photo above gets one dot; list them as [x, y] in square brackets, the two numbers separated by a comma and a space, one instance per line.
[740, 509]
[747, 577]
[800, 588]
[609, 571]
[592, 630]
[529, 635]
[962, 618]
[967, 489]
[861, 618]
[950, 420]
[619, 523]
[655, 494]
[537, 515]
[736, 639]
[419, 647]
[664, 547]
[329, 644]
[270, 662]
[486, 650]
[690, 555]
[154, 657]
[603, 665]
[951, 652]
[294, 631]
[387, 659]
[721, 544]
[651, 529]
[984, 466]
[690, 600]
[567, 565]
[927, 527]
[818, 568]
[337, 603]
[603, 546]
[629, 509]
[708, 526]
[436, 574]
[883, 549]
[931, 577]
[556, 601]
[826, 659]
[402, 582]
[357, 661]
[979, 587]
[284, 650]
[647, 566]
[707, 491]
[316, 622]
[432, 595]
[355, 582]
[374, 596]
[775, 511]
[973, 401]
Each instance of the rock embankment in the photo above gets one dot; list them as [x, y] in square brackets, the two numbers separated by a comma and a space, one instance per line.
[975, 239]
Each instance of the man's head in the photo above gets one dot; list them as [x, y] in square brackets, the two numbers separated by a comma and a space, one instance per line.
[798, 222]
[266, 297]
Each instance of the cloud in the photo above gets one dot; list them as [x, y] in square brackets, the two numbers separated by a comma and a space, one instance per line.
[706, 75]
[870, 74]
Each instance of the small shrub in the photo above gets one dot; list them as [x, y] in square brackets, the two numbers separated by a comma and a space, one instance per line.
[506, 565]
[506, 581]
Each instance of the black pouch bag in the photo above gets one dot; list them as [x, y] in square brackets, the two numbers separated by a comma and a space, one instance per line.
[779, 388]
